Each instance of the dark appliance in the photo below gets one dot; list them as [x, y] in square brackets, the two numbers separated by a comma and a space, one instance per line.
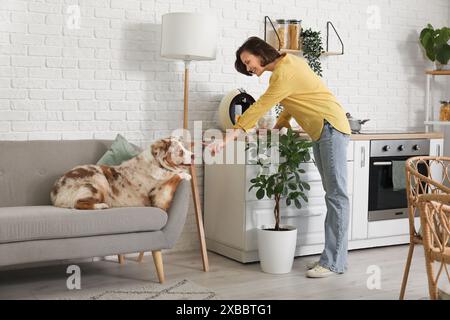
[385, 202]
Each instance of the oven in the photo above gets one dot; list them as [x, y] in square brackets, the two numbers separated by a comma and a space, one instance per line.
[387, 196]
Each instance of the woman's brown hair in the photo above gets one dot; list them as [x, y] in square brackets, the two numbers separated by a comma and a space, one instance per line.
[259, 48]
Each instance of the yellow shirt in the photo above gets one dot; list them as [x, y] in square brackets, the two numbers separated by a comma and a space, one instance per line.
[303, 95]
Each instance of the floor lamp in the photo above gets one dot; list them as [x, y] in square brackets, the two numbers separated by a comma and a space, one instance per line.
[190, 36]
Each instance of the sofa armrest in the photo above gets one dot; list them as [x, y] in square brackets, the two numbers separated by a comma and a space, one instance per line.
[177, 213]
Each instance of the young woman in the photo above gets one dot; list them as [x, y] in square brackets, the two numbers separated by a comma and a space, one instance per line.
[306, 99]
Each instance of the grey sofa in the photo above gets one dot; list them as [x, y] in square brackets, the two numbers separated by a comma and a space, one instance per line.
[32, 230]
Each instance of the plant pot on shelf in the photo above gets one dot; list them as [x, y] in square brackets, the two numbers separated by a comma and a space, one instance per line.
[276, 249]
[441, 67]
[435, 45]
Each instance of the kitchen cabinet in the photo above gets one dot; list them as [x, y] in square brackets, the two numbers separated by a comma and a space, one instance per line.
[232, 214]
[360, 207]
[429, 110]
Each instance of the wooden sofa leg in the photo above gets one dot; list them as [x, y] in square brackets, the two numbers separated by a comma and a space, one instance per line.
[157, 259]
[141, 257]
[121, 258]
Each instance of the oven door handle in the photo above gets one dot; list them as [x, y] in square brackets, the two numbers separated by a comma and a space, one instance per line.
[383, 163]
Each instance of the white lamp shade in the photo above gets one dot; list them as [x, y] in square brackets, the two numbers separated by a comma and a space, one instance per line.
[189, 36]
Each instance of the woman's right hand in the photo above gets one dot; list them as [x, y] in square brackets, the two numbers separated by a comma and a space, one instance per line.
[214, 147]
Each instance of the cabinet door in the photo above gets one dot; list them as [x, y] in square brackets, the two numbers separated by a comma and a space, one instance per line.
[437, 147]
[360, 190]
[437, 150]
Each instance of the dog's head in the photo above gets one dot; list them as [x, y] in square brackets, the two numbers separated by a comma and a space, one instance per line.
[171, 152]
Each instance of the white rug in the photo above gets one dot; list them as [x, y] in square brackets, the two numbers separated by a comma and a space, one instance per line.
[176, 290]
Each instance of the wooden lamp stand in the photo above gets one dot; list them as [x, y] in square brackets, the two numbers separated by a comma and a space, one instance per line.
[195, 194]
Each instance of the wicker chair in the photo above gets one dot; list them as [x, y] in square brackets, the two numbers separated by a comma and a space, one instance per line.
[433, 179]
[435, 221]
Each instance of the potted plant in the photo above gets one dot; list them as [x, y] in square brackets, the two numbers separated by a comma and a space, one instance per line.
[312, 49]
[435, 44]
[280, 182]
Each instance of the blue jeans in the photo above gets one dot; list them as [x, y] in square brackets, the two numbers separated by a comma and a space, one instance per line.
[330, 153]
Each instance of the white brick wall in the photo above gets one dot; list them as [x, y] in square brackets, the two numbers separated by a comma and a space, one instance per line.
[58, 82]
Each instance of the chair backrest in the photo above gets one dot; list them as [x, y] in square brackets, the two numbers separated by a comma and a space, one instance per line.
[435, 221]
[425, 175]
[28, 169]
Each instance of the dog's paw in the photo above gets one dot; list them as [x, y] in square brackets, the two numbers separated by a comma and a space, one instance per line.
[185, 176]
[101, 206]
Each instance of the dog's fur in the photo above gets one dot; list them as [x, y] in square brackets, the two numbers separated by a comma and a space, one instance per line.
[149, 179]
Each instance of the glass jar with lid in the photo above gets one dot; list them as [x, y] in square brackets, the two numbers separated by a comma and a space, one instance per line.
[294, 31]
[444, 114]
[283, 33]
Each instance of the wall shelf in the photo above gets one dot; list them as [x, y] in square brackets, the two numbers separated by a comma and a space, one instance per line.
[439, 123]
[331, 53]
[438, 72]
[429, 110]
[324, 53]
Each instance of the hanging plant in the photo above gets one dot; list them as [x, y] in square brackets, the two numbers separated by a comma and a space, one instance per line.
[312, 49]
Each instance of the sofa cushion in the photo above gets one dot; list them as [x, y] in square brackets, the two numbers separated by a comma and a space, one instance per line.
[121, 150]
[49, 222]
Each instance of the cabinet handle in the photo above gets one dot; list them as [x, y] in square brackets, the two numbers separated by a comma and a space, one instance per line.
[363, 157]
[438, 150]
[383, 163]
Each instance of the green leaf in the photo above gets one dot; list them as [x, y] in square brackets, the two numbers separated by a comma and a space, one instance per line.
[430, 53]
[306, 185]
[297, 204]
[288, 202]
[426, 37]
[304, 197]
[260, 194]
[292, 186]
[442, 37]
[307, 157]
[443, 54]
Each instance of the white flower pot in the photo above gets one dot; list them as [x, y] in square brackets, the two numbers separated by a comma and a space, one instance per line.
[276, 249]
[440, 66]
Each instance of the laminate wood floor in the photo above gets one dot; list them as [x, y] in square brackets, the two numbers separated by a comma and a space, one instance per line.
[231, 279]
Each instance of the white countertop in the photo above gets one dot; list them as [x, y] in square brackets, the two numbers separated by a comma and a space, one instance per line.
[396, 135]
[388, 135]
[380, 135]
